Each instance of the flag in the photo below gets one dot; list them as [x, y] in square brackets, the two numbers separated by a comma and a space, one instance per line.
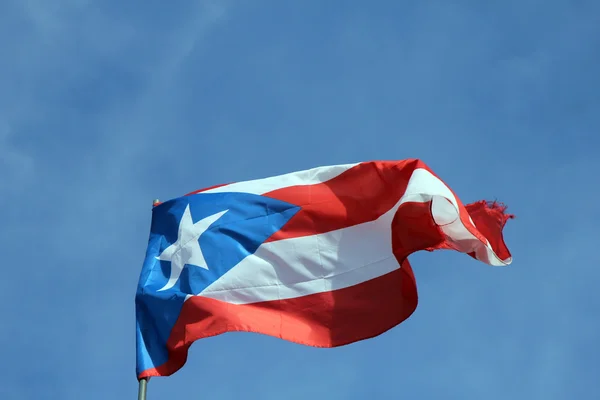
[317, 257]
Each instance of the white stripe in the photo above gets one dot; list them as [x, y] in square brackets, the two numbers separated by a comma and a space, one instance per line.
[310, 264]
[307, 177]
[334, 260]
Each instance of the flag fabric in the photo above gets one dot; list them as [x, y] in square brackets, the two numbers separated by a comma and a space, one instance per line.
[317, 257]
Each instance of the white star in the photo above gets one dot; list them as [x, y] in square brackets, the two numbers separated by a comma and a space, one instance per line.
[186, 250]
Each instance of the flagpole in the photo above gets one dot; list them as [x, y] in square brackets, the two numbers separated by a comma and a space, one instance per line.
[142, 389]
[143, 383]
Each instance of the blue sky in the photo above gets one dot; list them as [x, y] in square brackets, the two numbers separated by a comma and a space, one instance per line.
[107, 105]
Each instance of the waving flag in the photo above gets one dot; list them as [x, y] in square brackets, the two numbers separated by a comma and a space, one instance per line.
[317, 257]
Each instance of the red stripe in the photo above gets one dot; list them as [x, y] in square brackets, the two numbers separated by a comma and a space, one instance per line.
[208, 188]
[489, 219]
[361, 194]
[327, 319]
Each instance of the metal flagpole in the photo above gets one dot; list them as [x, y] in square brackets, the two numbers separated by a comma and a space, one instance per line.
[143, 383]
[142, 389]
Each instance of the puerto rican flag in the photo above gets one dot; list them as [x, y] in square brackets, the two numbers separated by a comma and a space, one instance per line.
[316, 257]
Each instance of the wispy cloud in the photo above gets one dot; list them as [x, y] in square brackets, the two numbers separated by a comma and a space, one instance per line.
[16, 167]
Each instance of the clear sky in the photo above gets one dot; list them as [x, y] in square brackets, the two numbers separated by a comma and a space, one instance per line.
[107, 105]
